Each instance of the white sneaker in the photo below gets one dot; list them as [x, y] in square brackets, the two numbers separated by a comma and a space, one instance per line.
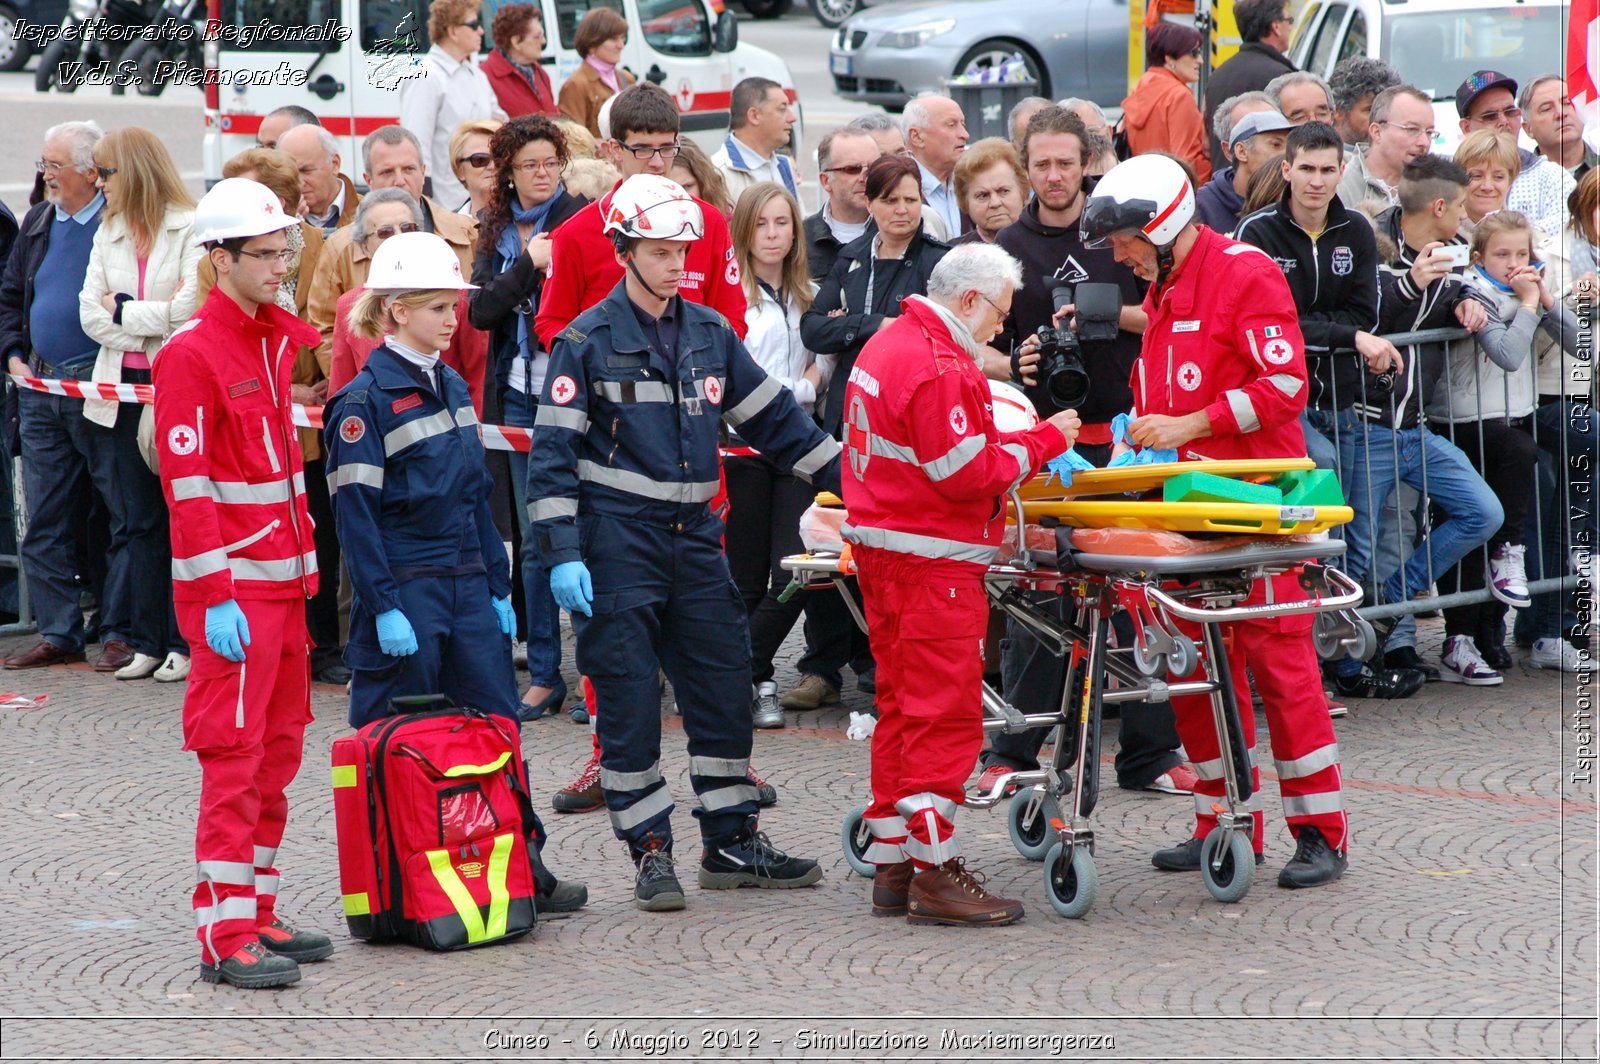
[141, 666]
[1463, 664]
[175, 668]
[1559, 654]
[519, 653]
[1508, 575]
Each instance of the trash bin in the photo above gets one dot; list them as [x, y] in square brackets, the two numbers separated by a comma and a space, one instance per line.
[986, 106]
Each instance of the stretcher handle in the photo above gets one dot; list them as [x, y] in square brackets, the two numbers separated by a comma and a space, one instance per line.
[1350, 595]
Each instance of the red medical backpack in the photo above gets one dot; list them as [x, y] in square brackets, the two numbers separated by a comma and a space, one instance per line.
[434, 822]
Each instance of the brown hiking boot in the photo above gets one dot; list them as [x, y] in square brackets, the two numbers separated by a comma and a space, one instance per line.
[889, 884]
[952, 894]
[812, 692]
[582, 795]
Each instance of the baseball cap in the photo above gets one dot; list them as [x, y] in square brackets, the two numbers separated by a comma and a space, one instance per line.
[1257, 122]
[1479, 83]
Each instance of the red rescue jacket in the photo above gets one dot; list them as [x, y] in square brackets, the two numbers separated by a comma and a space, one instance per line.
[1224, 337]
[925, 466]
[230, 463]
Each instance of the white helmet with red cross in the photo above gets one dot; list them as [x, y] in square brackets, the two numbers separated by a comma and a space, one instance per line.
[237, 207]
[652, 207]
[415, 262]
[1148, 194]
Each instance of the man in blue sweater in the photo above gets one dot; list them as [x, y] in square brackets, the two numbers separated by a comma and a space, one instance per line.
[40, 336]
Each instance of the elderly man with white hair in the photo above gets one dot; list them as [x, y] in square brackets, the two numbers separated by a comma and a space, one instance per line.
[925, 465]
[328, 198]
[936, 133]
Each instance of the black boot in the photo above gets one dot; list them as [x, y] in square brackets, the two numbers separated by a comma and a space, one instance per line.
[1314, 862]
[550, 895]
[656, 887]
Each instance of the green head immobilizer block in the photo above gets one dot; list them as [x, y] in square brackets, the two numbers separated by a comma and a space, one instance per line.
[1311, 487]
[1207, 487]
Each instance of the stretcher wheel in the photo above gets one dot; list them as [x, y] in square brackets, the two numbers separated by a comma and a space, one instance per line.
[1232, 881]
[1367, 642]
[1183, 659]
[856, 837]
[1149, 662]
[1071, 884]
[1032, 836]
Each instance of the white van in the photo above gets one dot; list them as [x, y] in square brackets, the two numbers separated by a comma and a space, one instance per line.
[345, 59]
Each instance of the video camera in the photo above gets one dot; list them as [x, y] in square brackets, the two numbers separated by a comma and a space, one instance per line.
[1098, 309]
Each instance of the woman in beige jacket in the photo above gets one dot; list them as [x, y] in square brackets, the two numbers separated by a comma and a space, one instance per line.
[599, 41]
[139, 288]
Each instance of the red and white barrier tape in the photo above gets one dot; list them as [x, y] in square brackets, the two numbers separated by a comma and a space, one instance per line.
[495, 437]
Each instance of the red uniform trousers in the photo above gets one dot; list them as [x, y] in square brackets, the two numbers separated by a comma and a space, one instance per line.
[929, 619]
[1279, 654]
[246, 722]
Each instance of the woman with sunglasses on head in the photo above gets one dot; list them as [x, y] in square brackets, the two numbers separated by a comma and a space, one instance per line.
[1160, 114]
[451, 90]
[474, 166]
[383, 214]
[527, 203]
[139, 287]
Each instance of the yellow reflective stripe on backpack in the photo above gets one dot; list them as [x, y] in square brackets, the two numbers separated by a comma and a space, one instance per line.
[461, 898]
[479, 770]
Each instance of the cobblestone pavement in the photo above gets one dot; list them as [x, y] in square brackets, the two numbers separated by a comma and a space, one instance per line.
[1465, 928]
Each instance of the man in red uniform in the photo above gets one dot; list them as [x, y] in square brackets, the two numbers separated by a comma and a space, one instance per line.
[243, 565]
[926, 470]
[1222, 374]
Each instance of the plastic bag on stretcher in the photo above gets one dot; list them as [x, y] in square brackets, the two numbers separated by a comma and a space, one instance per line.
[820, 529]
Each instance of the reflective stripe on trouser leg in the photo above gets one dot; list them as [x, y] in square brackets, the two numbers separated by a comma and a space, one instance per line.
[1303, 741]
[1198, 733]
[888, 844]
[930, 829]
[641, 796]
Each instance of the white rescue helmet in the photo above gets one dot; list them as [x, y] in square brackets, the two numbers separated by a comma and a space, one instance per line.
[1149, 194]
[237, 207]
[652, 207]
[415, 262]
[1013, 411]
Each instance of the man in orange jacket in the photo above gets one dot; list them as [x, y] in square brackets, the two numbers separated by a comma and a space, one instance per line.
[243, 565]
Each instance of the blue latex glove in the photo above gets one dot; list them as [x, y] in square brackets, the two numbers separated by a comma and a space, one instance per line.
[1148, 456]
[569, 583]
[395, 634]
[1065, 464]
[505, 615]
[227, 630]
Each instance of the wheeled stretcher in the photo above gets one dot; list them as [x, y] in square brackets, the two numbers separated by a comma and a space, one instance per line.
[1130, 563]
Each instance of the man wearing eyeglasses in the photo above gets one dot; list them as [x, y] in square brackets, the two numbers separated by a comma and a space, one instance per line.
[583, 267]
[451, 90]
[842, 160]
[1488, 100]
[1401, 131]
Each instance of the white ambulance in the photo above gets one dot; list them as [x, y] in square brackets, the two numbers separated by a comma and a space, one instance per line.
[345, 61]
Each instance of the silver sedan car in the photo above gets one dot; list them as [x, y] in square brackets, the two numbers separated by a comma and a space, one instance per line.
[1071, 47]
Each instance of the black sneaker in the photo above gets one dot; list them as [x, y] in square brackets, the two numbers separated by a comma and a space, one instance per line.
[656, 888]
[1314, 862]
[252, 967]
[751, 861]
[1184, 857]
[1407, 658]
[1380, 683]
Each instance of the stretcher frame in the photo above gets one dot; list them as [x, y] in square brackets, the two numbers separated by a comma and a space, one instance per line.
[1051, 810]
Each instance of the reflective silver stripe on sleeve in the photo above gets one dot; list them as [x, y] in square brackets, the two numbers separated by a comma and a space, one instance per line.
[356, 473]
[199, 565]
[550, 509]
[232, 492]
[910, 805]
[1024, 463]
[277, 570]
[882, 448]
[233, 873]
[688, 491]
[753, 404]
[921, 546]
[638, 391]
[436, 424]
[1244, 411]
[1287, 383]
[466, 417]
[656, 802]
[561, 417]
[1307, 764]
[630, 781]
[732, 767]
[814, 459]
[265, 855]
[955, 459]
[727, 797]
[1313, 804]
